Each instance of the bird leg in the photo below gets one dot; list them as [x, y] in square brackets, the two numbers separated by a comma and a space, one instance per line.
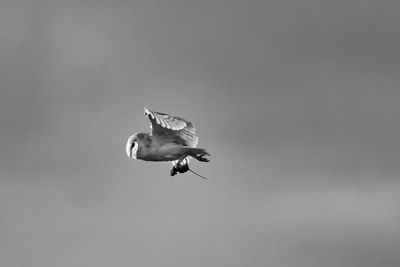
[175, 169]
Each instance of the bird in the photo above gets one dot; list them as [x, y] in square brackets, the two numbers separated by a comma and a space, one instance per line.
[171, 139]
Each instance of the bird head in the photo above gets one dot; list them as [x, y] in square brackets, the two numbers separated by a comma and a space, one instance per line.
[132, 146]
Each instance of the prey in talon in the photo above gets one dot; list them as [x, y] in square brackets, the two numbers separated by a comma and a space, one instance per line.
[171, 139]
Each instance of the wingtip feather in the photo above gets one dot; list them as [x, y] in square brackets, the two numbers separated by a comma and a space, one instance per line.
[147, 112]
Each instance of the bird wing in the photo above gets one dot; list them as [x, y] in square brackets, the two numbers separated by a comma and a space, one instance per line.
[166, 125]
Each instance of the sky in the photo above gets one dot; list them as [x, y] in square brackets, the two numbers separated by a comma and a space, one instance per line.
[296, 101]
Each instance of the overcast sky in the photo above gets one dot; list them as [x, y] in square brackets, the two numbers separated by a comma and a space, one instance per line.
[298, 103]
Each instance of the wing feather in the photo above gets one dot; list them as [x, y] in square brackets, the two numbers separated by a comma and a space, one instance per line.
[181, 130]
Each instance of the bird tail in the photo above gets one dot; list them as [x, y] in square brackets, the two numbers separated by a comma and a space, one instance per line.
[198, 153]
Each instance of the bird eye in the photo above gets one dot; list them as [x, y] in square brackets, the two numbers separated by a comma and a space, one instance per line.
[133, 144]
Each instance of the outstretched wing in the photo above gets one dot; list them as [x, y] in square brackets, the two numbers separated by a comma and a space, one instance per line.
[181, 130]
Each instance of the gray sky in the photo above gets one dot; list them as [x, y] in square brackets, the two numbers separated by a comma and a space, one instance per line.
[297, 101]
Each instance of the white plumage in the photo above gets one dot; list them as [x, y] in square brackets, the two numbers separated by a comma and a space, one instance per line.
[171, 139]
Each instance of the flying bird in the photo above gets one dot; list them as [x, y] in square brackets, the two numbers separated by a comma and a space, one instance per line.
[171, 139]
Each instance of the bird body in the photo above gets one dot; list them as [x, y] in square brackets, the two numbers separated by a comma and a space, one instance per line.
[172, 139]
